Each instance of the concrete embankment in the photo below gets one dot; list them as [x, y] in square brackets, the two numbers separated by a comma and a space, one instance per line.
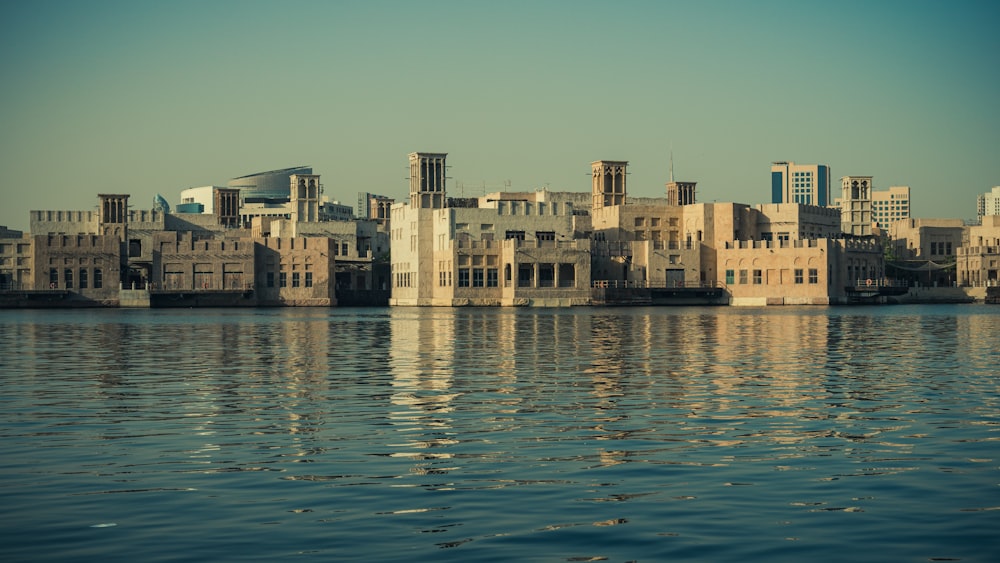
[942, 295]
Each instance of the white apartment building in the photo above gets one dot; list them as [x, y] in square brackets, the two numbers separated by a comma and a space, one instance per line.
[988, 203]
[890, 205]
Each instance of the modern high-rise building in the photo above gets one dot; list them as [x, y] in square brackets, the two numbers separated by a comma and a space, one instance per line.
[800, 183]
[988, 203]
[890, 205]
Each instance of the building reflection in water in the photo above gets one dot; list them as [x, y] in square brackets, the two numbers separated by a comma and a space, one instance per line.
[422, 357]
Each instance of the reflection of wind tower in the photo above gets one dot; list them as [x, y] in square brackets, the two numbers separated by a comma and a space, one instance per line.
[609, 183]
[427, 176]
[679, 193]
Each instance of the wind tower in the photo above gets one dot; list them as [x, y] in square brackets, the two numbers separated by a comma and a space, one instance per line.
[679, 193]
[113, 215]
[427, 180]
[608, 182]
[305, 191]
[856, 205]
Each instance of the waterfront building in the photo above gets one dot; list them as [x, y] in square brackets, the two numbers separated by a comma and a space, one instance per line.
[16, 263]
[927, 239]
[538, 248]
[890, 205]
[988, 204]
[800, 272]
[800, 183]
[856, 205]
[116, 255]
[499, 249]
[978, 261]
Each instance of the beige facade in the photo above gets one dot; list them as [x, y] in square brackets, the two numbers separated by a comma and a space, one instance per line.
[109, 255]
[295, 271]
[978, 262]
[87, 265]
[540, 248]
[927, 239]
[799, 272]
[16, 262]
[507, 251]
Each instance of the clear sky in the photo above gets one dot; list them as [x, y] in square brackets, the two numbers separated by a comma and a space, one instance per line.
[147, 97]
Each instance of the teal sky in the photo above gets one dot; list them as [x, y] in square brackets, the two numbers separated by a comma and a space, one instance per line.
[147, 97]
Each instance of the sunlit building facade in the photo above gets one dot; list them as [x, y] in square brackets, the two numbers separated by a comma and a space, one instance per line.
[808, 184]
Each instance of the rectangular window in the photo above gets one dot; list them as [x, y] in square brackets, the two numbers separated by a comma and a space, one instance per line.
[798, 275]
[463, 277]
[545, 235]
[68, 275]
[295, 279]
[730, 277]
[283, 279]
[478, 279]
[53, 278]
[309, 279]
[83, 278]
[519, 235]
[98, 278]
[270, 279]
[567, 275]
[525, 275]
[813, 275]
[546, 275]
[758, 278]
[492, 277]
[743, 277]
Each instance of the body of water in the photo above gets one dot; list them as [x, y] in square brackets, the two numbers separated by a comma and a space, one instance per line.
[399, 434]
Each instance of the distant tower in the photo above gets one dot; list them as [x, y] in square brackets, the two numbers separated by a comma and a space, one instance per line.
[113, 214]
[305, 190]
[226, 206]
[608, 182]
[679, 193]
[427, 180]
[856, 205]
